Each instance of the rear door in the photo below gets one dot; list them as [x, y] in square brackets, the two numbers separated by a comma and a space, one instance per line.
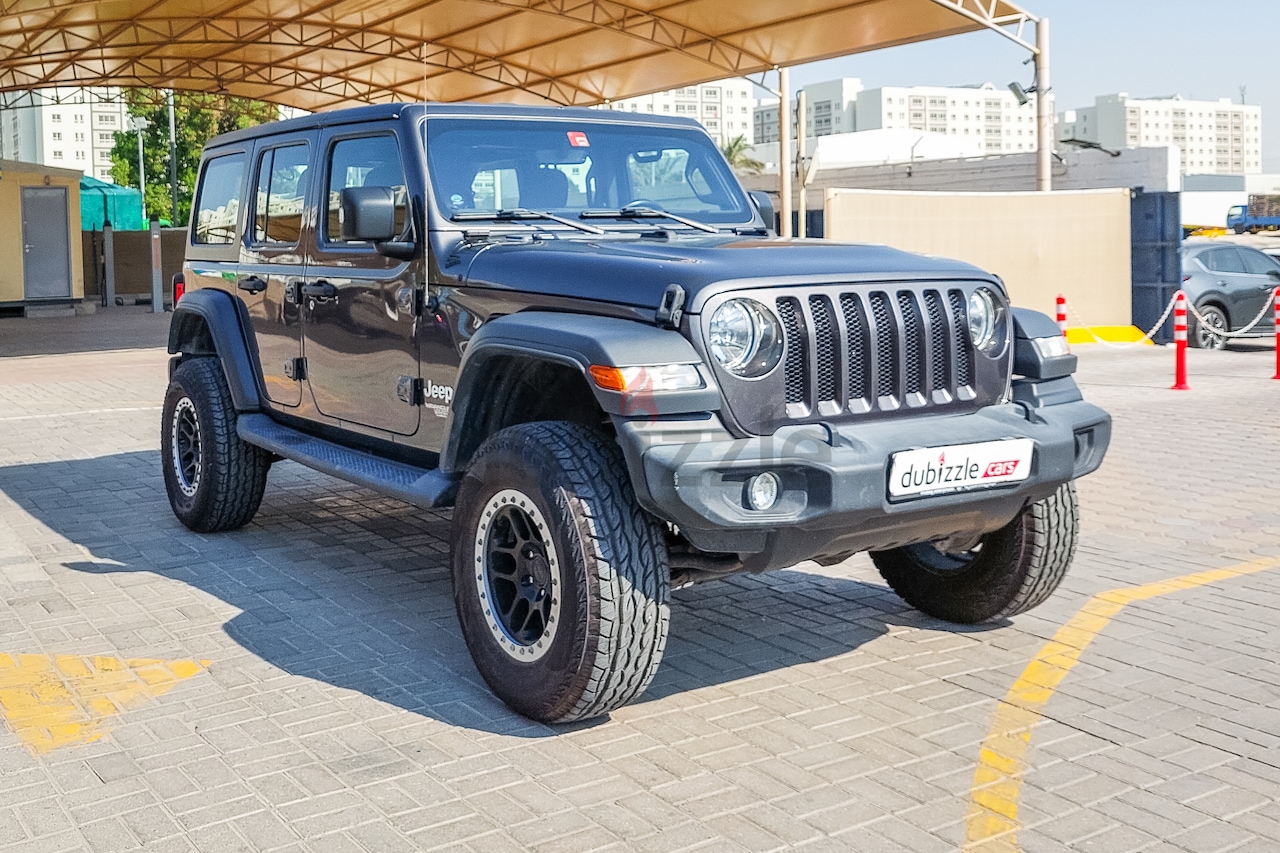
[273, 263]
[358, 305]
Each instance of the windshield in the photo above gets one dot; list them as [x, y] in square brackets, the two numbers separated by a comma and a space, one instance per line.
[566, 167]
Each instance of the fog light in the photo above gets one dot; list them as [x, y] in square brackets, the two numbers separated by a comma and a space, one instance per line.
[762, 491]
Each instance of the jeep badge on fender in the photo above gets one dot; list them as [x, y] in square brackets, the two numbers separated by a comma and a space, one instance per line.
[576, 329]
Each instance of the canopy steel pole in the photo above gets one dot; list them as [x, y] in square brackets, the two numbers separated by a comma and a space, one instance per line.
[784, 152]
[802, 229]
[1044, 110]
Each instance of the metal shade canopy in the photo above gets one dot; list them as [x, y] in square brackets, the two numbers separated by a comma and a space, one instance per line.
[320, 54]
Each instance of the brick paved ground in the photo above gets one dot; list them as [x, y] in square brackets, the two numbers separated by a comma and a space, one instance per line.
[804, 709]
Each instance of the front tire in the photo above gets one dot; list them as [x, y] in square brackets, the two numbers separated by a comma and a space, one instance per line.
[1202, 333]
[560, 580]
[214, 479]
[1010, 571]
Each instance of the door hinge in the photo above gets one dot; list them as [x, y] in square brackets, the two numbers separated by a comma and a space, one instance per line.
[296, 369]
[410, 390]
[292, 292]
[411, 300]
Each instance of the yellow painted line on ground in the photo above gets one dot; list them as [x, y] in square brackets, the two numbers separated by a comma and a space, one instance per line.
[992, 822]
[52, 701]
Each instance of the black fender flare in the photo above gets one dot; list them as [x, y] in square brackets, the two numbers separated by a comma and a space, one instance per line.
[213, 322]
[577, 341]
[1028, 326]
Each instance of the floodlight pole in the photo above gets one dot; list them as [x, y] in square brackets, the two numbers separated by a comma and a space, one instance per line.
[139, 124]
[784, 152]
[1044, 110]
[173, 164]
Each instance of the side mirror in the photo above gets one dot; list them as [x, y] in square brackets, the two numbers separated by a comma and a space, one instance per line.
[1274, 274]
[764, 204]
[368, 214]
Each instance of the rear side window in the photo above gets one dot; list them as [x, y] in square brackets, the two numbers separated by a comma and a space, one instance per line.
[371, 161]
[282, 187]
[218, 206]
[1224, 260]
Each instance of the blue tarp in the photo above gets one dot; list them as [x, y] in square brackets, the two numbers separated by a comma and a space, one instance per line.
[100, 200]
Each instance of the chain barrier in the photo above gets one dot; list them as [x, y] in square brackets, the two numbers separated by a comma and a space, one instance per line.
[1245, 330]
[1180, 306]
[1165, 316]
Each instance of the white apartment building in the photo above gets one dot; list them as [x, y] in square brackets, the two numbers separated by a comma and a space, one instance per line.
[1214, 137]
[724, 107]
[830, 108]
[70, 128]
[979, 112]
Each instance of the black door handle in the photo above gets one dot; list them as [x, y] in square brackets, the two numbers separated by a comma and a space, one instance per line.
[252, 284]
[319, 289]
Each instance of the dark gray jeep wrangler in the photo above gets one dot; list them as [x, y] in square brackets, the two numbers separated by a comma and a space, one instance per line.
[576, 329]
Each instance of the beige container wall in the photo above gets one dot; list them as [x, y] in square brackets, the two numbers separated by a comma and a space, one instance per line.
[11, 255]
[1040, 244]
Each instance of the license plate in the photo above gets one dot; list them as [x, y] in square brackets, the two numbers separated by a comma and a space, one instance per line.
[959, 468]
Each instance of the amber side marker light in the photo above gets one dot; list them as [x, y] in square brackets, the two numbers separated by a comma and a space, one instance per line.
[656, 377]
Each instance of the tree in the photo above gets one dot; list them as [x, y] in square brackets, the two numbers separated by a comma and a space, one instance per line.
[735, 151]
[198, 116]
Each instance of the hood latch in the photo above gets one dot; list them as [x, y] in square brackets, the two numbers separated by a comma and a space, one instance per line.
[671, 308]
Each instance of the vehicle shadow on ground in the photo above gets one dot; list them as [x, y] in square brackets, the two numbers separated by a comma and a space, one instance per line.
[338, 584]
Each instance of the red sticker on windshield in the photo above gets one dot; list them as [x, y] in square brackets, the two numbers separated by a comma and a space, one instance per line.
[578, 139]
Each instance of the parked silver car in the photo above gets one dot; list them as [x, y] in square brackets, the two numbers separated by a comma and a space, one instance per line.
[1230, 286]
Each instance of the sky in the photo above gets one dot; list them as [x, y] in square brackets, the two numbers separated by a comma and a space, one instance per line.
[1203, 50]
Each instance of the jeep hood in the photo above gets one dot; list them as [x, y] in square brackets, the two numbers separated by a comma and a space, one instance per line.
[636, 272]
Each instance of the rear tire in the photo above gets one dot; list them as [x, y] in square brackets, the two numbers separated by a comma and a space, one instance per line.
[1200, 334]
[214, 479]
[1012, 569]
[559, 578]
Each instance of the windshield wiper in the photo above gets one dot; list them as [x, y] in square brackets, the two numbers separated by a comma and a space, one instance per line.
[646, 213]
[516, 213]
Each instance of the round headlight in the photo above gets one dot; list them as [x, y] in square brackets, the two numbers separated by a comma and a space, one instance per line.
[982, 317]
[746, 338]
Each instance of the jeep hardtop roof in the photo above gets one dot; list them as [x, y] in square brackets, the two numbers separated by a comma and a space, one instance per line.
[466, 109]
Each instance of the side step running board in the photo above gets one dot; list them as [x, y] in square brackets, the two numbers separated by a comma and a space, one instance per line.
[424, 487]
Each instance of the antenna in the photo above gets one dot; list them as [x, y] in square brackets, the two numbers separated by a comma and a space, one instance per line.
[1243, 89]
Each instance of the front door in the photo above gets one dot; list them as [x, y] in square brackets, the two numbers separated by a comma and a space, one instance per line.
[1260, 274]
[46, 243]
[274, 263]
[358, 305]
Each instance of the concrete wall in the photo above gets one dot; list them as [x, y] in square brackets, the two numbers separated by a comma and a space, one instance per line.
[1040, 244]
[133, 260]
[14, 176]
[1153, 169]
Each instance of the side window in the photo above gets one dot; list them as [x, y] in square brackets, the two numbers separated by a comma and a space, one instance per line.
[370, 161]
[1257, 263]
[282, 188]
[1225, 260]
[218, 205]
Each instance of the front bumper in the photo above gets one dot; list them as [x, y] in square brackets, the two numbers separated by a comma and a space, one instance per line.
[834, 499]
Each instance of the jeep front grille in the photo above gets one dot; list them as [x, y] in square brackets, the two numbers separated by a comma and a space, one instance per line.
[910, 346]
